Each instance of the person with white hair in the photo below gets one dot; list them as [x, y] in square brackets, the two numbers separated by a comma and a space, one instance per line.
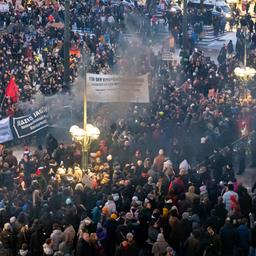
[168, 168]
[184, 167]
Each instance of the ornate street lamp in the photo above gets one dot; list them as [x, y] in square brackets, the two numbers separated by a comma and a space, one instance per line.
[84, 138]
[245, 73]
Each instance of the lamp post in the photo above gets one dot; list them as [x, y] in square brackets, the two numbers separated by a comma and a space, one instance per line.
[245, 73]
[84, 137]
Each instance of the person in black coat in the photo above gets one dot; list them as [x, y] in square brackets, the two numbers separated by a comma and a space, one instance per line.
[37, 240]
[111, 226]
[221, 211]
[245, 201]
[241, 159]
[222, 55]
[230, 47]
[213, 243]
[60, 154]
[3, 251]
[83, 246]
[214, 221]
[228, 237]
[51, 144]
[184, 229]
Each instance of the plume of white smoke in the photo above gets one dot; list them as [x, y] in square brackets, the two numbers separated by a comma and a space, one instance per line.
[67, 109]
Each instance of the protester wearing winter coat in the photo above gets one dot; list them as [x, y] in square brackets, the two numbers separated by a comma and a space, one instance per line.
[23, 236]
[3, 251]
[160, 246]
[47, 247]
[24, 250]
[37, 240]
[159, 161]
[244, 237]
[96, 212]
[126, 249]
[191, 196]
[192, 244]
[83, 246]
[56, 236]
[184, 227]
[110, 205]
[227, 196]
[7, 238]
[229, 236]
[111, 226]
[69, 235]
[213, 245]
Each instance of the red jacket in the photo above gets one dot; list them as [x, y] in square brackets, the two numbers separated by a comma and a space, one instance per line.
[177, 186]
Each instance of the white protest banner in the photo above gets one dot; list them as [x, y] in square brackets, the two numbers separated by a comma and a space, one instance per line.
[113, 88]
[4, 7]
[5, 130]
[167, 56]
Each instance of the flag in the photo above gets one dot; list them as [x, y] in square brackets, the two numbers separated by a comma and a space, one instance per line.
[12, 90]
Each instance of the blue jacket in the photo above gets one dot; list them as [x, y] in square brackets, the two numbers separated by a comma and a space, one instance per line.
[244, 237]
[96, 214]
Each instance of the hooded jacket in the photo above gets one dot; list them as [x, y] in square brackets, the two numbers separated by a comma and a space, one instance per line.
[69, 234]
[160, 246]
[56, 236]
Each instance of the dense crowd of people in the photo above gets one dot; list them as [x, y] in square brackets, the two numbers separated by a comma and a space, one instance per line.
[30, 45]
[143, 192]
[32, 41]
[128, 203]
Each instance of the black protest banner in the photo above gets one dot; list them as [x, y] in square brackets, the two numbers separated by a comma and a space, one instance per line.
[26, 125]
